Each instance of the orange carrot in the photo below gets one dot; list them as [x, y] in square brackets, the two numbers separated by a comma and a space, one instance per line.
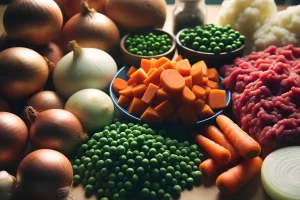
[172, 119]
[124, 101]
[172, 81]
[165, 109]
[210, 167]
[169, 65]
[150, 93]
[145, 64]
[216, 151]
[151, 71]
[139, 90]
[131, 70]
[188, 96]
[163, 95]
[204, 68]
[161, 61]
[178, 58]
[213, 133]
[206, 111]
[130, 81]
[205, 80]
[154, 77]
[235, 178]
[153, 61]
[127, 92]
[139, 76]
[197, 74]
[186, 114]
[213, 74]
[245, 145]
[119, 84]
[198, 106]
[199, 92]
[207, 89]
[217, 99]
[212, 84]
[151, 116]
[188, 81]
[184, 67]
[137, 107]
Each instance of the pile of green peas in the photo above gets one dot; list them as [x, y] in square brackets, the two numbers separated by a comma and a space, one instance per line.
[132, 161]
[212, 39]
[148, 44]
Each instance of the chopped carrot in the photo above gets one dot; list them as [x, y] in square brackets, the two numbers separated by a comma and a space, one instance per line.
[188, 81]
[199, 92]
[205, 79]
[172, 81]
[198, 106]
[174, 63]
[188, 96]
[124, 101]
[127, 91]
[213, 133]
[150, 93]
[145, 64]
[172, 119]
[169, 65]
[151, 71]
[154, 77]
[163, 95]
[178, 58]
[130, 81]
[207, 89]
[210, 167]
[196, 73]
[206, 111]
[137, 107]
[216, 151]
[186, 114]
[119, 84]
[213, 74]
[153, 61]
[245, 145]
[131, 70]
[165, 109]
[235, 178]
[184, 67]
[151, 116]
[212, 84]
[217, 99]
[161, 61]
[204, 68]
[139, 90]
[139, 76]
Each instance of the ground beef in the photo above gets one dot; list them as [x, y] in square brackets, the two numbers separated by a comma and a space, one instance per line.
[266, 96]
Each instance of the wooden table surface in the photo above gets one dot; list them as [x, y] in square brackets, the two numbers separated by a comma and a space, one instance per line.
[207, 191]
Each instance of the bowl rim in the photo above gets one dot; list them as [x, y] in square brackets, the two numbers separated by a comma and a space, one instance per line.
[167, 126]
[205, 53]
[171, 36]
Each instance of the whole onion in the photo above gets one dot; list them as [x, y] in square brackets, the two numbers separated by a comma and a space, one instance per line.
[51, 51]
[34, 21]
[72, 7]
[8, 42]
[44, 174]
[13, 139]
[46, 100]
[22, 72]
[55, 129]
[91, 29]
[4, 106]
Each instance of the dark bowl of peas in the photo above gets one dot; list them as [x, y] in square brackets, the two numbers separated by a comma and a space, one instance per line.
[147, 43]
[215, 45]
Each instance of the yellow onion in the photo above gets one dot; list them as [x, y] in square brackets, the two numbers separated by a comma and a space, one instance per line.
[34, 21]
[91, 30]
[51, 51]
[8, 42]
[22, 72]
[72, 7]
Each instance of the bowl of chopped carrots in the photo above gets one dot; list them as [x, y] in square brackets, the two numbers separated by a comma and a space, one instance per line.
[169, 94]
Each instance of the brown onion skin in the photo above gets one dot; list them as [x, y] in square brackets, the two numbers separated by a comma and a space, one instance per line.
[22, 72]
[46, 100]
[34, 21]
[13, 140]
[91, 30]
[42, 173]
[51, 51]
[4, 106]
[56, 129]
[8, 42]
[133, 15]
[72, 7]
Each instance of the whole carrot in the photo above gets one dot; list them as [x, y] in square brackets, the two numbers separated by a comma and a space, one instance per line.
[235, 178]
[214, 133]
[245, 145]
[216, 151]
[210, 167]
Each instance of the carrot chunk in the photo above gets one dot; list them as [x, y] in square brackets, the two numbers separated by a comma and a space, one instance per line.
[130, 81]
[150, 93]
[206, 111]
[154, 77]
[198, 106]
[153, 61]
[139, 90]
[197, 74]
[188, 96]
[124, 101]
[163, 95]
[184, 67]
[204, 68]
[186, 114]
[205, 79]
[213, 74]
[172, 119]
[235, 178]
[188, 81]
[169, 65]
[207, 89]
[151, 116]
[127, 92]
[131, 70]
[161, 61]
[139, 76]
[210, 167]
[145, 64]
[151, 71]
[178, 58]
[137, 107]
[172, 81]
[199, 92]
[119, 84]
[217, 99]
[212, 84]
[165, 109]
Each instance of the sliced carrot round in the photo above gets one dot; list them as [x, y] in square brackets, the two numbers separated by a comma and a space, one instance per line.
[119, 84]
[172, 81]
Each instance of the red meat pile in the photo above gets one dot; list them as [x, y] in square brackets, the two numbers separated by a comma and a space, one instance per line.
[266, 96]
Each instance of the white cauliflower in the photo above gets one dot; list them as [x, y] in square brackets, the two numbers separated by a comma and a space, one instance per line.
[281, 29]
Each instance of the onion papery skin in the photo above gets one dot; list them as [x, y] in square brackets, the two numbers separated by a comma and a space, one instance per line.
[72, 7]
[55, 129]
[92, 30]
[4, 106]
[51, 51]
[8, 42]
[34, 21]
[22, 72]
[42, 174]
[13, 140]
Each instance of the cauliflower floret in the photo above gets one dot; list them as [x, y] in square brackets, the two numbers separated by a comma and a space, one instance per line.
[280, 30]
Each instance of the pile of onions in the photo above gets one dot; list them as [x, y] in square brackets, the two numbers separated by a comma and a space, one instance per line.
[8, 42]
[55, 129]
[4, 106]
[46, 100]
[22, 72]
[51, 51]
[83, 68]
[72, 7]
[13, 139]
[44, 174]
[91, 29]
[34, 21]
[7, 185]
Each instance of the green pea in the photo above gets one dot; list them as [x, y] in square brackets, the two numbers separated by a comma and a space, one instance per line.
[189, 182]
[89, 189]
[77, 179]
[155, 173]
[145, 192]
[167, 196]
[128, 185]
[238, 44]
[129, 154]
[229, 40]
[168, 177]
[233, 46]
[104, 172]
[123, 192]
[145, 163]
[139, 53]
[228, 48]
[121, 175]
[108, 163]
[206, 34]
[182, 184]
[195, 45]
[205, 42]
[129, 172]
[196, 176]
[202, 48]
[217, 50]
[81, 169]
[100, 193]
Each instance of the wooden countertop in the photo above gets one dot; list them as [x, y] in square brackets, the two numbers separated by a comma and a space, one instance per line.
[207, 191]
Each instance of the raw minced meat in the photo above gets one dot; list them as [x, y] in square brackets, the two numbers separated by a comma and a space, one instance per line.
[266, 96]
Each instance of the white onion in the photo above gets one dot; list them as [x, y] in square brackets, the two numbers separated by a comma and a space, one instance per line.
[7, 185]
[280, 174]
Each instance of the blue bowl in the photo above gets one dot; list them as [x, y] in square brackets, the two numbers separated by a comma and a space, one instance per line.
[123, 113]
